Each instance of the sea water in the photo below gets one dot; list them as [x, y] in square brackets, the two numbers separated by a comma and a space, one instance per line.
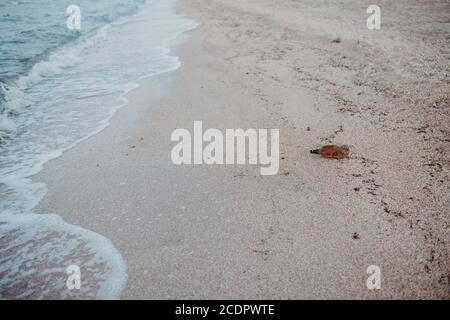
[57, 88]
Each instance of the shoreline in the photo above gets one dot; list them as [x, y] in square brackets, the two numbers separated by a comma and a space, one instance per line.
[59, 245]
[203, 232]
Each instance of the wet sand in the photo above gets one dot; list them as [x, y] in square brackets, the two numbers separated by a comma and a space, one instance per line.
[313, 70]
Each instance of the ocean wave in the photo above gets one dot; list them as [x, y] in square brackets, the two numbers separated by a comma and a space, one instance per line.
[58, 246]
[34, 48]
[62, 100]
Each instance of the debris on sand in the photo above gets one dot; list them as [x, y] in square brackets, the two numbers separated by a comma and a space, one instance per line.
[332, 151]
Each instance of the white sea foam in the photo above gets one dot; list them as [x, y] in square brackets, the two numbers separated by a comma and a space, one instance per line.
[36, 249]
[59, 103]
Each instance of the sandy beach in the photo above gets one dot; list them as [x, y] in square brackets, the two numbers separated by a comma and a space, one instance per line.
[313, 70]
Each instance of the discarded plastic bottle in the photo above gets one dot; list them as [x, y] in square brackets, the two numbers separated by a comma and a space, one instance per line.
[332, 151]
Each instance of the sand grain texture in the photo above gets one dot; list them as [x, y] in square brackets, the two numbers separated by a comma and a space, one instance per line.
[227, 232]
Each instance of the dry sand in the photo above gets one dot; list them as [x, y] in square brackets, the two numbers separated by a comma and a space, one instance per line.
[313, 70]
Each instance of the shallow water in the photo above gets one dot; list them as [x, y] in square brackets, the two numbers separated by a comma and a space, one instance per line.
[58, 88]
